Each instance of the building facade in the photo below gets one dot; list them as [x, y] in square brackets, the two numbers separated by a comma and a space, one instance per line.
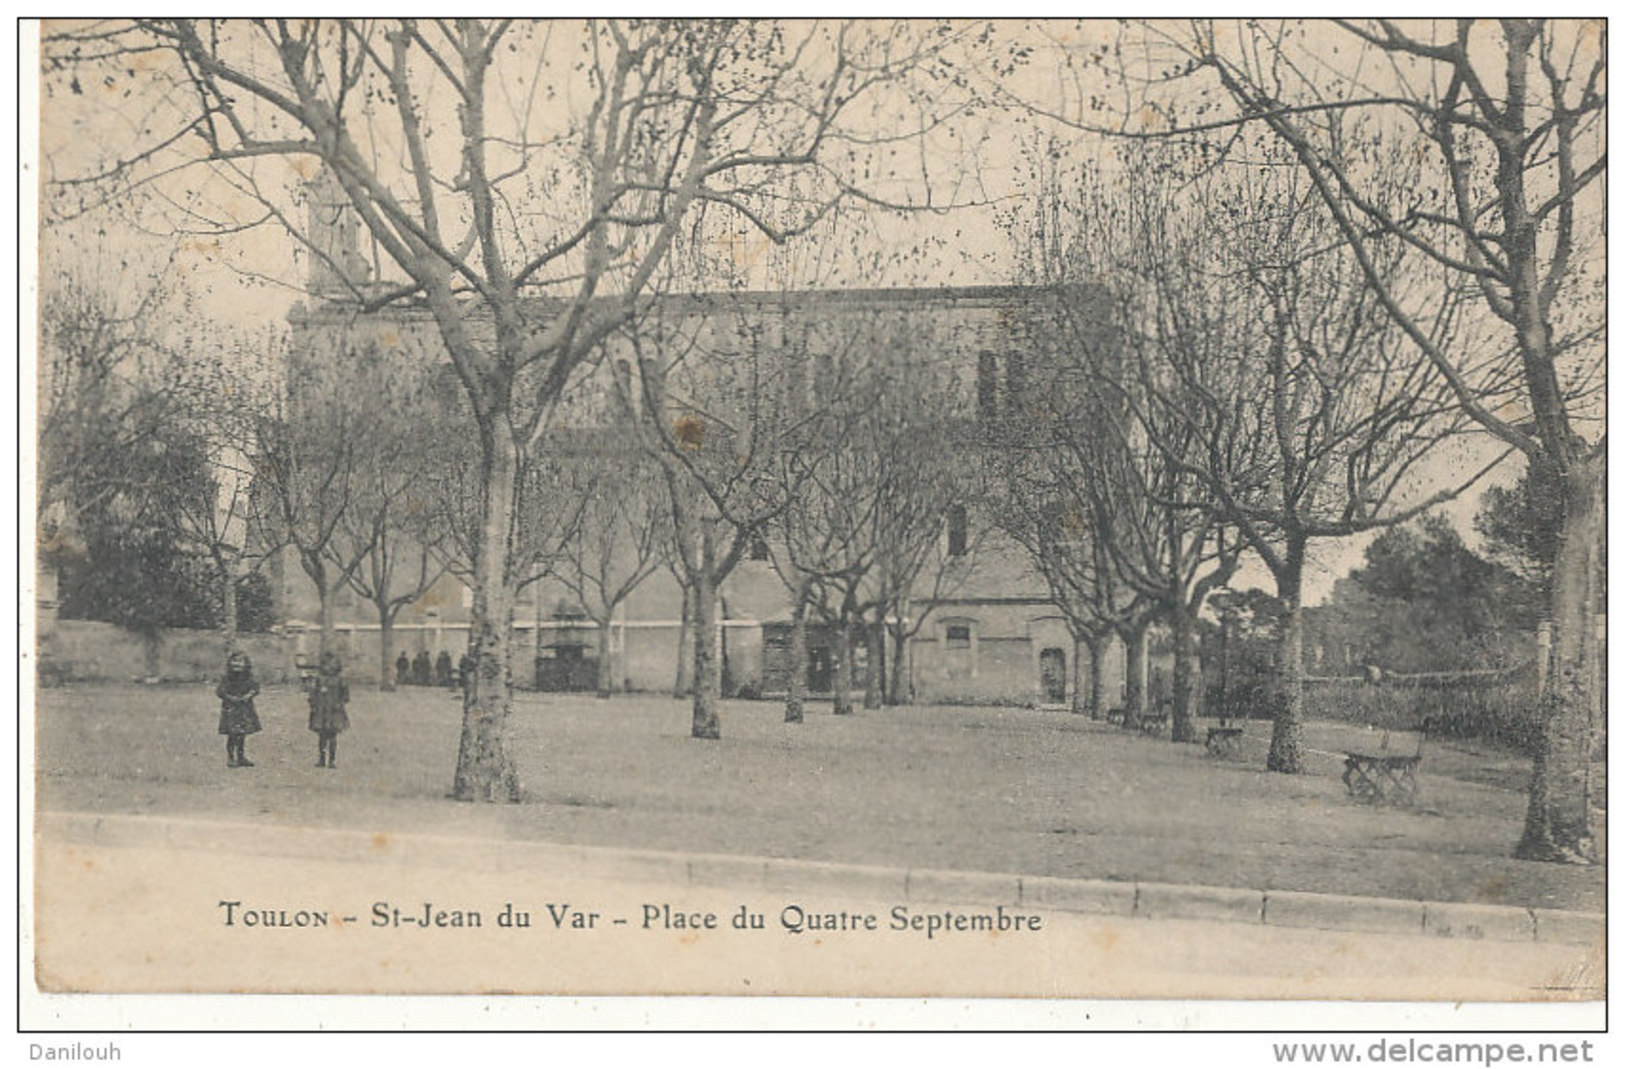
[982, 625]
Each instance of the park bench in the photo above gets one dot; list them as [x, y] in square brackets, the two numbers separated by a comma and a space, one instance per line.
[1232, 711]
[1152, 721]
[1148, 722]
[1225, 739]
[1380, 765]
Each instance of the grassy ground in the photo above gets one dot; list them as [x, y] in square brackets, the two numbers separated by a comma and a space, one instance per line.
[1008, 790]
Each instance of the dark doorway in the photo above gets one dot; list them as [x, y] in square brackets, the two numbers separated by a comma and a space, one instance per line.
[820, 670]
[1052, 674]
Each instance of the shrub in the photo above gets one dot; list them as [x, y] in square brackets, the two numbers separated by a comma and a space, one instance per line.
[1454, 705]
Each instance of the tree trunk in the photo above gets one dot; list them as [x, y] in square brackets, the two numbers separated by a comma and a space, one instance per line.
[327, 635]
[228, 606]
[1286, 741]
[386, 648]
[606, 669]
[795, 703]
[1080, 697]
[1097, 677]
[843, 666]
[329, 642]
[1557, 825]
[683, 685]
[877, 667]
[1183, 623]
[707, 664]
[898, 694]
[1136, 653]
[485, 770]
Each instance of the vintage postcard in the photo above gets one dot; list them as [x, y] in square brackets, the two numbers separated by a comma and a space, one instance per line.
[1103, 513]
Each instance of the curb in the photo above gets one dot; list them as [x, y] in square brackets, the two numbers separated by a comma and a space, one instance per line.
[1285, 909]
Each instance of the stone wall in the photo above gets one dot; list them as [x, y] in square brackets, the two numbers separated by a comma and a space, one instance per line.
[90, 651]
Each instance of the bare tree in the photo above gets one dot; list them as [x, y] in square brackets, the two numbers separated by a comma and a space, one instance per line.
[1263, 388]
[1311, 413]
[391, 528]
[1119, 457]
[307, 453]
[923, 477]
[1479, 147]
[672, 555]
[1047, 508]
[717, 412]
[625, 513]
[549, 511]
[827, 524]
[834, 481]
[1505, 122]
[490, 162]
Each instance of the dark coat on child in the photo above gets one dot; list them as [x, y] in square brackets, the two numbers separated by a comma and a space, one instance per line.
[328, 695]
[236, 693]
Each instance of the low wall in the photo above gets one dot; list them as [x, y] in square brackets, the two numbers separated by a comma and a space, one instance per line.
[91, 651]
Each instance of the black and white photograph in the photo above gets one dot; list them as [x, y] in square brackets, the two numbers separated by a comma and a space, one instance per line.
[1105, 513]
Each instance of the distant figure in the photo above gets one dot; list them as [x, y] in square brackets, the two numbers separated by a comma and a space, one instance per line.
[1159, 687]
[238, 719]
[420, 668]
[403, 670]
[328, 696]
[465, 671]
[442, 670]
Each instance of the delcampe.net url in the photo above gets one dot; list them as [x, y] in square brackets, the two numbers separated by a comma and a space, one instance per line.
[1443, 1052]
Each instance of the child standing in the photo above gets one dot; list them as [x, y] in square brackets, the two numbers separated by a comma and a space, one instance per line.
[238, 719]
[328, 696]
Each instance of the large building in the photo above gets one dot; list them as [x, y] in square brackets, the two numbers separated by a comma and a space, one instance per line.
[988, 630]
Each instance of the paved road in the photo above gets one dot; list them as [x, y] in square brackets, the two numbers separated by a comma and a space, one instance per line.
[150, 917]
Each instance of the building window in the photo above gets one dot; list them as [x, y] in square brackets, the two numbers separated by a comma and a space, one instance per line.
[959, 641]
[758, 548]
[1015, 381]
[987, 386]
[958, 532]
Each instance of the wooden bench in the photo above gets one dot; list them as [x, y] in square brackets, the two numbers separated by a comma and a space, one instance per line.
[1152, 721]
[1380, 766]
[1148, 722]
[1225, 740]
[1381, 778]
[1231, 710]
